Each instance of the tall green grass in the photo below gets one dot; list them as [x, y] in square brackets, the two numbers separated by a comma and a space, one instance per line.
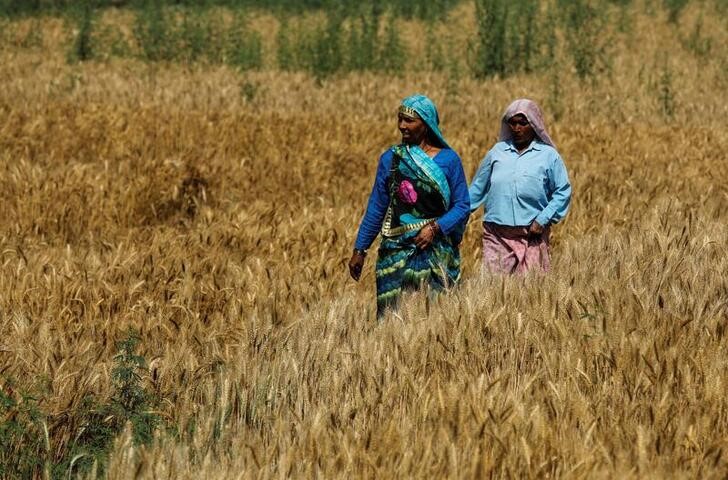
[512, 36]
[429, 10]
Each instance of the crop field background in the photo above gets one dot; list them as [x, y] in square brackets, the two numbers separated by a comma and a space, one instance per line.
[181, 185]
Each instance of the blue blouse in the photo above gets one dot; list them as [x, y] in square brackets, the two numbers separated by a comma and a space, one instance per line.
[519, 188]
[452, 167]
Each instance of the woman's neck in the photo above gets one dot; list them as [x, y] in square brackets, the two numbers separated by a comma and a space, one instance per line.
[429, 149]
[521, 147]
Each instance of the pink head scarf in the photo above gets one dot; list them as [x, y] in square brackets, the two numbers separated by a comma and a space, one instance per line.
[530, 110]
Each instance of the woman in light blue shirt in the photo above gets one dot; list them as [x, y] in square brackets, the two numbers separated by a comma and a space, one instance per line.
[524, 186]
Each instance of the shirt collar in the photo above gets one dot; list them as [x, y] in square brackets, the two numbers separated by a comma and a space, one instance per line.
[534, 145]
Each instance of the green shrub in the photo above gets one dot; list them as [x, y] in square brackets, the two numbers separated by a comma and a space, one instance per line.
[363, 41]
[508, 37]
[83, 20]
[244, 47]
[490, 56]
[585, 23]
[23, 447]
[152, 32]
[666, 92]
[674, 9]
[325, 56]
[698, 43]
[25, 443]
[392, 53]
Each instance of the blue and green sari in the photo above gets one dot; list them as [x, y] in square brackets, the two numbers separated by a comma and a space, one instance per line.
[419, 194]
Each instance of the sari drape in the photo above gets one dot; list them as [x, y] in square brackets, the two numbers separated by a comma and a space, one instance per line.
[419, 194]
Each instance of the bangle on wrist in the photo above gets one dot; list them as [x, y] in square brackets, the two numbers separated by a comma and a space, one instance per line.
[359, 251]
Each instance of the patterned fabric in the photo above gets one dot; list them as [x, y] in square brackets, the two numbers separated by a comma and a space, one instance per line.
[400, 264]
[449, 162]
[532, 112]
[512, 250]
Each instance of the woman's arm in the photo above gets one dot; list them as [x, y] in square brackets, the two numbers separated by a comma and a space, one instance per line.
[481, 183]
[459, 198]
[560, 193]
[371, 223]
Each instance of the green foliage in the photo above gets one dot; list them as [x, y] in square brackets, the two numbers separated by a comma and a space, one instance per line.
[131, 401]
[24, 439]
[249, 90]
[285, 54]
[325, 56]
[191, 37]
[555, 100]
[666, 92]
[93, 440]
[110, 38]
[697, 42]
[392, 51]
[362, 40]
[522, 38]
[674, 9]
[19, 7]
[428, 10]
[152, 32]
[436, 60]
[100, 423]
[512, 36]
[492, 18]
[342, 45]
[22, 444]
[244, 47]
[507, 39]
[585, 22]
[82, 49]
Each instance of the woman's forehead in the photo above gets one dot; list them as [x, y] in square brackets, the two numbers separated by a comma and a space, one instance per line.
[408, 112]
[408, 116]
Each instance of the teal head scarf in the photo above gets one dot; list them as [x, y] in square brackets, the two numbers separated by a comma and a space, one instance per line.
[424, 108]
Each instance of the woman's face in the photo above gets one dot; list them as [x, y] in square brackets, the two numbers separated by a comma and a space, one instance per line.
[523, 133]
[413, 130]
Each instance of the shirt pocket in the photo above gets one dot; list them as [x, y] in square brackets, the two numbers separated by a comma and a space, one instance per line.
[531, 189]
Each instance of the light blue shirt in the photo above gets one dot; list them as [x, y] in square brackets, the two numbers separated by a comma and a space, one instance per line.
[519, 188]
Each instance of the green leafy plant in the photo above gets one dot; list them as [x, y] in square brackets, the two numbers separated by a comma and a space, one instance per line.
[23, 437]
[100, 423]
[584, 23]
[666, 92]
[674, 9]
[244, 47]
[83, 20]
[153, 33]
[508, 36]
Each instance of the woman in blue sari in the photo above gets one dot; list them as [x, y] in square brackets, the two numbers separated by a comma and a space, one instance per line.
[420, 204]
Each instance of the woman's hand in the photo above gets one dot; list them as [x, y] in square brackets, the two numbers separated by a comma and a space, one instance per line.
[427, 235]
[356, 263]
[535, 229]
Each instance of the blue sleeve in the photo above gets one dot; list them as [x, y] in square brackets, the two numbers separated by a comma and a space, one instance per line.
[371, 224]
[459, 199]
[481, 183]
[560, 194]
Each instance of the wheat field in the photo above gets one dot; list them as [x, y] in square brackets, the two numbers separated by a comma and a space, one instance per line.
[213, 212]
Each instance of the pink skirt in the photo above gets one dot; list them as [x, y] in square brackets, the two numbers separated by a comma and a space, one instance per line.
[512, 250]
